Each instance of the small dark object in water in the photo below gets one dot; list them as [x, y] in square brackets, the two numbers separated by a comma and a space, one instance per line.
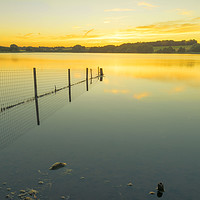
[57, 165]
[8, 196]
[159, 194]
[160, 187]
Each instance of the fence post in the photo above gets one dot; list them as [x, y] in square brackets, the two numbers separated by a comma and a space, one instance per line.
[98, 72]
[36, 96]
[101, 74]
[86, 79]
[69, 85]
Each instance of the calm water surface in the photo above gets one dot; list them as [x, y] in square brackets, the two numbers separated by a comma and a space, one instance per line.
[139, 125]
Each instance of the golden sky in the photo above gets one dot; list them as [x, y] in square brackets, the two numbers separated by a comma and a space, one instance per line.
[96, 23]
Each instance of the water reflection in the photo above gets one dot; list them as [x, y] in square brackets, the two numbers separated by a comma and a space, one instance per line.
[159, 194]
[141, 95]
[22, 110]
[111, 138]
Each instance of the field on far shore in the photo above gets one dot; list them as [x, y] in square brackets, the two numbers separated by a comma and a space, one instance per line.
[187, 47]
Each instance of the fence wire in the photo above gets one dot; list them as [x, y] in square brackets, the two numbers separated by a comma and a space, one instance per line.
[18, 111]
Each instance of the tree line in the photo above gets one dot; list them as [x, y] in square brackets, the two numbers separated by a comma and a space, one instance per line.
[164, 46]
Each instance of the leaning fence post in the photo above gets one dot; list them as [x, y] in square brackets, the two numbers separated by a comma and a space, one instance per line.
[36, 96]
[87, 79]
[69, 85]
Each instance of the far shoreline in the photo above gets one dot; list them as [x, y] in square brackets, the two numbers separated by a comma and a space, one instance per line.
[97, 53]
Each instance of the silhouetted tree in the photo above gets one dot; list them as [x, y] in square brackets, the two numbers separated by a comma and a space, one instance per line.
[181, 50]
[78, 48]
[29, 49]
[14, 47]
[4, 49]
[145, 48]
[195, 48]
[166, 50]
[191, 42]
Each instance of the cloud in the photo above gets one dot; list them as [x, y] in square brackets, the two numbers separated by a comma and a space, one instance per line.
[119, 10]
[141, 95]
[196, 19]
[163, 30]
[169, 27]
[184, 11]
[85, 35]
[76, 36]
[28, 35]
[146, 5]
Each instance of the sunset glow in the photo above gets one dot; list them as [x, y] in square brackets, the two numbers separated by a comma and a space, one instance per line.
[95, 23]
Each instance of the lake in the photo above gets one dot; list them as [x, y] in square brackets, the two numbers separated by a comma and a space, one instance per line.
[138, 125]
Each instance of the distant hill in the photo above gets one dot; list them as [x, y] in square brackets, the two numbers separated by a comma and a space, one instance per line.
[164, 46]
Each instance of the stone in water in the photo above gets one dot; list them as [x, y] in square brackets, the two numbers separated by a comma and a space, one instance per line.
[130, 184]
[152, 193]
[57, 165]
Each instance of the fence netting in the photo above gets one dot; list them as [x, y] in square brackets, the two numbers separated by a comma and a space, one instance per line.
[18, 111]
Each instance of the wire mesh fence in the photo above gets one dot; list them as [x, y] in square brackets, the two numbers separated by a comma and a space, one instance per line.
[22, 105]
[15, 88]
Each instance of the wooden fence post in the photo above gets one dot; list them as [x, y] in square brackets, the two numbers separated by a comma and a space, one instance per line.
[101, 74]
[36, 96]
[69, 85]
[86, 79]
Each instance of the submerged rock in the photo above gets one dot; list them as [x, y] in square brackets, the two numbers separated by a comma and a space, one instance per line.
[28, 198]
[130, 184]
[57, 165]
[152, 193]
[40, 182]
[32, 192]
[8, 196]
[67, 172]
